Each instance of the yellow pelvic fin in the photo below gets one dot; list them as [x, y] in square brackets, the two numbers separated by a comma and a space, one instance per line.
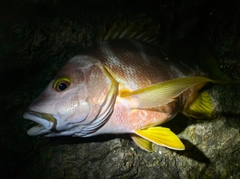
[200, 107]
[162, 93]
[142, 143]
[161, 136]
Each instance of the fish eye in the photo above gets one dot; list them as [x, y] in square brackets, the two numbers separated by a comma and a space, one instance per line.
[61, 84]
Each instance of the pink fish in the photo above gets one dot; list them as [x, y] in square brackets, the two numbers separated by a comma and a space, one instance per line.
[121, 86]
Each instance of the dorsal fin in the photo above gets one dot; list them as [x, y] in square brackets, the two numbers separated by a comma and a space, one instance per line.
[128, 30]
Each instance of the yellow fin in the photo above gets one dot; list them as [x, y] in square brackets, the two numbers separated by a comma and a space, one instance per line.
[128, 30]
[162, 93]
[200, 107]
[161, 136]
[142, 143]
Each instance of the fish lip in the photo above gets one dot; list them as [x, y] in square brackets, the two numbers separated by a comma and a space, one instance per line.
[45, 122]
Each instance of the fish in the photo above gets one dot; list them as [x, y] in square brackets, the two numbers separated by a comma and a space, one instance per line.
[122, 86]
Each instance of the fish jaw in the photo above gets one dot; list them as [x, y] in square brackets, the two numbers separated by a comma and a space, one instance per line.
[45, 123]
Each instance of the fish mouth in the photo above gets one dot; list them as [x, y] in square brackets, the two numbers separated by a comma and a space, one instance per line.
[45, 122]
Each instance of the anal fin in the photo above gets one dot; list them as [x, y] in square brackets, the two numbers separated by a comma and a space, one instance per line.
[200, 107]
[161, 136]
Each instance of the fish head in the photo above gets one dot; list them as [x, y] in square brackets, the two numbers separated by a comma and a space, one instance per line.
[78, 101]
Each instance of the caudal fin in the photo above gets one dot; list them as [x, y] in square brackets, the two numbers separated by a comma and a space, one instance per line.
[210, 64]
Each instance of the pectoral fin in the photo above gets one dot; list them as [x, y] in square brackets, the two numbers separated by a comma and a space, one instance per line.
[161, 136]
[162, 93]
[142, 143]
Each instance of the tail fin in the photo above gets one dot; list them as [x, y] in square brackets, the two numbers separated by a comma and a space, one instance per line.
[209, 63]
[202, 106]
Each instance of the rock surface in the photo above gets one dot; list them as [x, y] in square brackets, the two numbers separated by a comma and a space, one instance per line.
[38, 38]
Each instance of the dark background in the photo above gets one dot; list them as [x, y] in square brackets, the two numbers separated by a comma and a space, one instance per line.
[38, 37]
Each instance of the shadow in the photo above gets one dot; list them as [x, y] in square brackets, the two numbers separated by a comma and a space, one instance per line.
[193, 152]
[78, 140]
[232, 120]
[178, 124]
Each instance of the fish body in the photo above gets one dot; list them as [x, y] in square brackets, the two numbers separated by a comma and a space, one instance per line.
[136, 65]
[120, 86]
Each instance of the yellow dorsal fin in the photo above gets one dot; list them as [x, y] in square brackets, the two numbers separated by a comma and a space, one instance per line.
[161, 136]
[128, 30]
[162, 93]
[142, 143]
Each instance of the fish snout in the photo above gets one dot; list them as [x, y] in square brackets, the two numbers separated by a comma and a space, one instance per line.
[45, 122]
